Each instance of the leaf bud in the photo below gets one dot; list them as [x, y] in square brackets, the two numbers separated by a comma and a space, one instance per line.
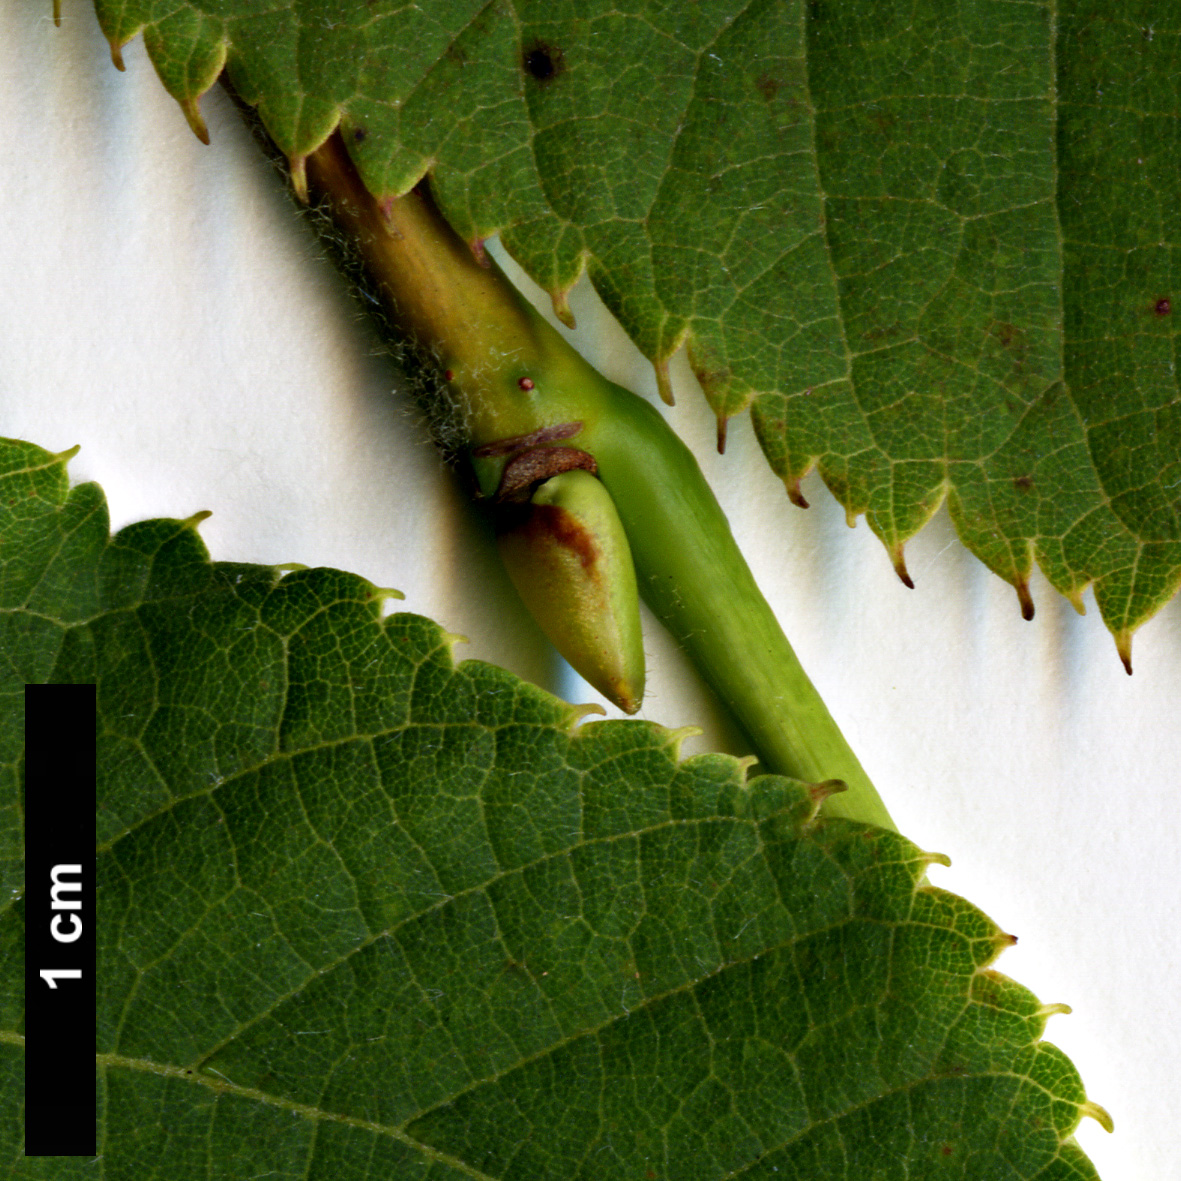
[567, 555]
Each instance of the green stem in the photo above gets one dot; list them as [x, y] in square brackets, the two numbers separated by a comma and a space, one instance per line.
[511, 374]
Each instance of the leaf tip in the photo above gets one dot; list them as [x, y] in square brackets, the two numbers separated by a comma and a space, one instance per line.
[1099, 1114]
[68, 454]
[664, 385]
[288, 567]
[722, 421]
[561, 302]
[116, 55]
[1025, 598]
[1075, 598]
[936, 859]
[792, 483]
[899, 560]
[1123, 645]
[193, 117]
[449, 638]
[57, 13]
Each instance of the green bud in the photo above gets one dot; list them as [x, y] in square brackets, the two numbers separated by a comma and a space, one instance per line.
[568, 557]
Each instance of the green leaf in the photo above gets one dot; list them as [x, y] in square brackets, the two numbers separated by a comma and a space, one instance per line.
[933, 246]
[363, 911]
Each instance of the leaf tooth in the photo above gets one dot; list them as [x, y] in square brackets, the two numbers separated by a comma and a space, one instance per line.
[818, 793]
[1123, 645]
[1099, 1114]
[196, 519]
[676, 737]
[298, 168]
[935, 859]
[1053, 1010]
[1075, 597]
[561, 302]
[575, 713]
[664, 385]
[744, 765]
[193, 116]
[289, 567]
[792, 483]
[476, 246]
[382, 593]
[829, 787]
[1025, 598]
[899, 560]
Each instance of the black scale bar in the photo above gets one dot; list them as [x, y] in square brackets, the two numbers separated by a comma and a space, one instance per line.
[60, 1087]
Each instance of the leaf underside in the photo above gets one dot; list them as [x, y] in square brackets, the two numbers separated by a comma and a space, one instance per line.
[933, 247]
[363, 912]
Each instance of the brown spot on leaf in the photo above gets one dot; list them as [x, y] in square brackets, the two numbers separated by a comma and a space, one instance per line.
[1163, 306]
[768, 86]
[359, 134]
[1023, 483]
[1006, 333]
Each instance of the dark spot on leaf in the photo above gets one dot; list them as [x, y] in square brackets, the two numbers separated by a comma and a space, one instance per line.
[526, 383]
[1023, 483]
[947, 1150]
[768, 86]
[359, 134]
[543, 62]
[1163, 307]
[1007, 333]
[449, 375]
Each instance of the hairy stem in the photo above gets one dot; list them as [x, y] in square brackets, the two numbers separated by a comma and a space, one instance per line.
[510, 374]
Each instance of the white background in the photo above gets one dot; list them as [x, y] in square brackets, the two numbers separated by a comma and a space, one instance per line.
[161, 305]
